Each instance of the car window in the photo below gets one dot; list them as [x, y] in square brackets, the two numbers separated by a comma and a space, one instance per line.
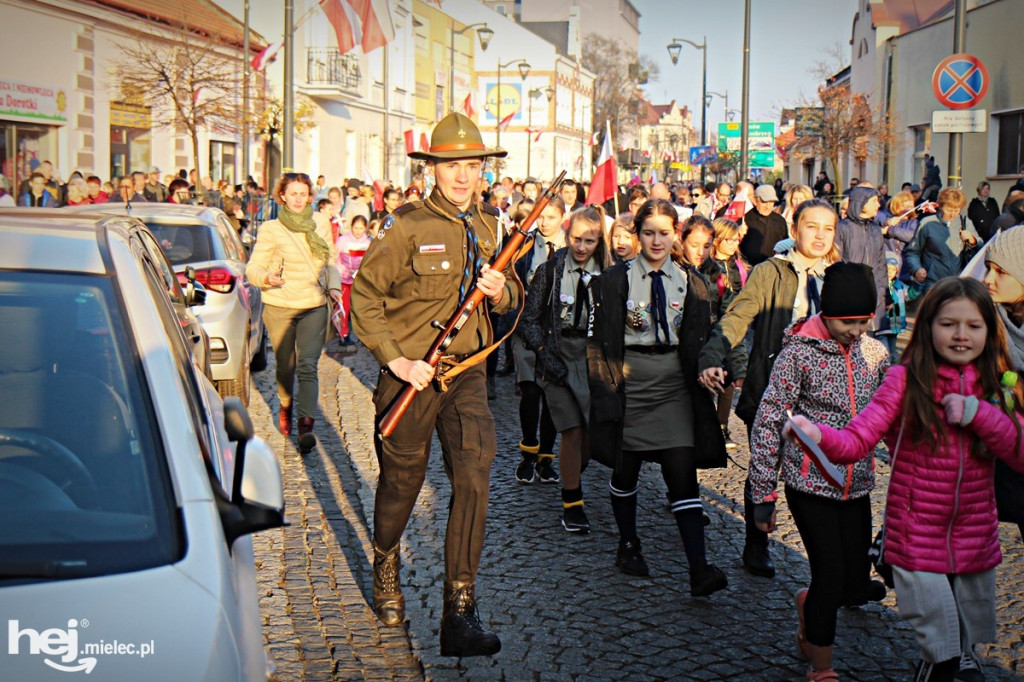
[232, 243]
[163, 268]
[84, 486]
[184, 244]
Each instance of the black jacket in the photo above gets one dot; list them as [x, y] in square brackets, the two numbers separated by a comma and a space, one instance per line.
[605, 353]
[983, 212]
[541, 324]
[763, 233]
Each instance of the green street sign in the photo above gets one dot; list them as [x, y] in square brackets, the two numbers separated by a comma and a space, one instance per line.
[760, 142]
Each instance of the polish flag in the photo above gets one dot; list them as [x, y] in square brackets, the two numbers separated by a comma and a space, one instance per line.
[604, 184]
[536, 132]
[505, 122]
[366, 23]
[424, 144]
[263, 59]
[410, 141]
[345, 23]
[593, 139]
[739, 207]
[467, 106]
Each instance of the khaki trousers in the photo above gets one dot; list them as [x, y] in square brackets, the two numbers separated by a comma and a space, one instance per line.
[465, 427]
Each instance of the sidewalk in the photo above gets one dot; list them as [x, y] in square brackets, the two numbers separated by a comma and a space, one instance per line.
[561, 608]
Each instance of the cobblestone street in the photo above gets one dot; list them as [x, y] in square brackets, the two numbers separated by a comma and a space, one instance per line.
[562, 609]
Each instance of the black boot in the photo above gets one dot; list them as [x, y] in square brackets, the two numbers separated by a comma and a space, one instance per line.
[756, 559]
[388, 601]
[461, 631]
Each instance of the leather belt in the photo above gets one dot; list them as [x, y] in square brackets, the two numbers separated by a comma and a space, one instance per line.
[657, 349]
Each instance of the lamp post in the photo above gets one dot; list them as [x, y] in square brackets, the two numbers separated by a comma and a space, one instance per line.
[484, 34]
[724, 97]
[524, 71]
[533, 94]
[674, 48]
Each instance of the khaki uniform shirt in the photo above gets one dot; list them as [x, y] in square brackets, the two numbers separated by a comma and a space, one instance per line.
[639, 322]
[410, 277]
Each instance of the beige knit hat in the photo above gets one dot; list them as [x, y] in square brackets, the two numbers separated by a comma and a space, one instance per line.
[1007, 251]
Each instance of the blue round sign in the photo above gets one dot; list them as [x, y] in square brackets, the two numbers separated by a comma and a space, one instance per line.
[960, 81]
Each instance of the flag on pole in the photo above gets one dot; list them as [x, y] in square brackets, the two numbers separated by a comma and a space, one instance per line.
[505, 122]
[467, 106]
[264, 58]
[536, 132]
[739, 207]
[424, 144]
[410, 141]
[345, 23]
[604, 184]
[375, 19]
[593, 139]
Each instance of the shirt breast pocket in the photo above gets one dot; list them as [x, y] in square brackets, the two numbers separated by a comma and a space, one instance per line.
[433, 275]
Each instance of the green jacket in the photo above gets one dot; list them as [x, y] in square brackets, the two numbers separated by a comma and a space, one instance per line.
[767, 303]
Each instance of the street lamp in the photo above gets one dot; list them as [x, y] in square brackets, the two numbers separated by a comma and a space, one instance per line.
[484, 34]
[725, 97]
[524, 71]
[533, 94]
[674, 48]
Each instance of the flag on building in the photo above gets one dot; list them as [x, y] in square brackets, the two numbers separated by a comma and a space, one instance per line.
[424, 144]
[604, 184]
[266, 56]
[366, 23]
[505, 122]
[410, 141]
[536, 132]
[467, 106]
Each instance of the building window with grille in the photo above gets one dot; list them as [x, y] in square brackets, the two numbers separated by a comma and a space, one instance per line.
[1010, 155]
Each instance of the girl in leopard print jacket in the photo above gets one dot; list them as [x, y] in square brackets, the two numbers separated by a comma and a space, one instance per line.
[827, 370]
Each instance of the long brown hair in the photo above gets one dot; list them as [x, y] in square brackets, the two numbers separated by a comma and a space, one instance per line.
[655, 207]
[925, 424]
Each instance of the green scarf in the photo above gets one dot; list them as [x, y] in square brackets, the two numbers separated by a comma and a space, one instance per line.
[304, 223]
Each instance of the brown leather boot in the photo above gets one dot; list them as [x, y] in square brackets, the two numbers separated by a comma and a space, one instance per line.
[388, 601]
[462, 634]
[284, 420]
[307, 441]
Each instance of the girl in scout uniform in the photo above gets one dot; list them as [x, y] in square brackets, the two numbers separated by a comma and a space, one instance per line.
[554, 327]
[650, 318]
[538, 454]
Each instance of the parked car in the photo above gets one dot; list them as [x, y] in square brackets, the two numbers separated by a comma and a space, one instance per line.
[202, 237]
[128, 487]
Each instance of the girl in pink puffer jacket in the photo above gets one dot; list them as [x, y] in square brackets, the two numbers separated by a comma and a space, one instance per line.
[945, 416]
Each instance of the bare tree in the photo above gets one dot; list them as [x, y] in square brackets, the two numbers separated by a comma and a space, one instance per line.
[620, 72]
[834, 59]
[844, 123]
[190, 82]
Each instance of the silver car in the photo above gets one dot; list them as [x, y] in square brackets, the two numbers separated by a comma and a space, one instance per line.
[128, 487]
[202, 237]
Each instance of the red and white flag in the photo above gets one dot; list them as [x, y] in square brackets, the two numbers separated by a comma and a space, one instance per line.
[410, 141]
[467, 106]
[264, 58]
[505, 122]
[536, 132]
[366, 23]
[593, 139]
[424, 144]
[604, 184]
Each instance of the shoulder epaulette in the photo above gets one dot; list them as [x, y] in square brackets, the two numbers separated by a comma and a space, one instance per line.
[408, 206]
[488, 208]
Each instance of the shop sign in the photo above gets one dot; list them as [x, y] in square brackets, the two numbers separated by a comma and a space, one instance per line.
[33, 100]
[125, 115]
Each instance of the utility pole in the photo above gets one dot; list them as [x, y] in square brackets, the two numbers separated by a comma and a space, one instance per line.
[245, 98]
[956, 140]
[288, 127]
[745, 113]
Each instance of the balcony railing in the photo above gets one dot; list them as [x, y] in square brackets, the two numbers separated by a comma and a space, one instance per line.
[326, 67]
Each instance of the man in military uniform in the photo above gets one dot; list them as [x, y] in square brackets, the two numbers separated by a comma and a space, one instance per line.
[426, 258]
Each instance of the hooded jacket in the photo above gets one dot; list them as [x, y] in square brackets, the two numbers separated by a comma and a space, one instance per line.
[938, 249]
[860, 240]
[940, 513]
[817, 377]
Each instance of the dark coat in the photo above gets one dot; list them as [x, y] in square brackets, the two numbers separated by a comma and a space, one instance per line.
[860, 240]
[766, 302]
[983, 213]
[605, 353]
[763, 233]
[541, 326]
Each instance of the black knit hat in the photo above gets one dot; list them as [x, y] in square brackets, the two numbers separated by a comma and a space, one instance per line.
[848, 291]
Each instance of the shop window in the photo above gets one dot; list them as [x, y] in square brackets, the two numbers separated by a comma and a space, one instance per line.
[1010, 156]
[222, 161]
[23, 146]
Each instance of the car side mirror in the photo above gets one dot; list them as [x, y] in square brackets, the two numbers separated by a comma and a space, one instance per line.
[257, 493]
[247, 239]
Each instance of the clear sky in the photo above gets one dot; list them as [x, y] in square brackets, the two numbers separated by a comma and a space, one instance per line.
[786, 38]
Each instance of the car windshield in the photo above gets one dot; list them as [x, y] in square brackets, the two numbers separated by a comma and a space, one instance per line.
[84, 488]
[185, 244]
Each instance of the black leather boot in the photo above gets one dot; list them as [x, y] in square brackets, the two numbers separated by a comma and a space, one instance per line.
[388, 601]
[461, 631]
[756, 559]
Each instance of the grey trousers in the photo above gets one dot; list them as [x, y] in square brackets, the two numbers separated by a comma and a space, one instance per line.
[297, 336]
[949, 613]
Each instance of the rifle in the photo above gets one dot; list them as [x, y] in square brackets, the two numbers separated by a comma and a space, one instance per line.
[475, 297]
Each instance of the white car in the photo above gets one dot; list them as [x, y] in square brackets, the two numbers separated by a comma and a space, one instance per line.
[128, 488]
[202, 237]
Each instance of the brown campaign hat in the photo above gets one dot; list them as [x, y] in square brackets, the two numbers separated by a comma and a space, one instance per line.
[456, 137]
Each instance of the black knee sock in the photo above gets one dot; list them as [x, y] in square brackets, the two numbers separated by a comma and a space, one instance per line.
[624, 509]
[571, 498]
[547, 430]
[691, 530]
[529, 411]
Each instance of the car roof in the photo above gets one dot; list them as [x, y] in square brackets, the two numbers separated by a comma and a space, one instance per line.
[153, 211]
[54, 239]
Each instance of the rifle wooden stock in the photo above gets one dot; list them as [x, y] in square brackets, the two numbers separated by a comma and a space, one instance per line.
[475, 297]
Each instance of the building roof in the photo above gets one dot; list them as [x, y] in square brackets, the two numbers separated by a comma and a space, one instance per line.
[200, 16]
[651, 114]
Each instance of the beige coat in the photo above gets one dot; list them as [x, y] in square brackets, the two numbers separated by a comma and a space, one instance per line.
[304, 277]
